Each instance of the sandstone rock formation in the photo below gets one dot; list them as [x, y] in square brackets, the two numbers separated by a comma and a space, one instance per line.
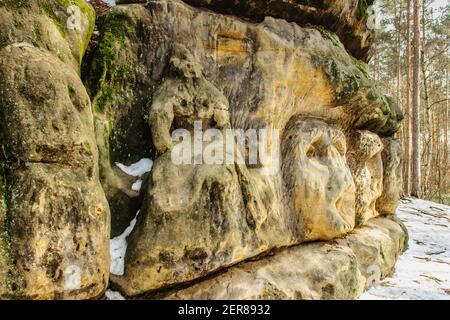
[364, 158]
[275, 75]
[392, 176]
[346, 18]
[353, 264]
[318, 179]
[325, 168]
[54, 218]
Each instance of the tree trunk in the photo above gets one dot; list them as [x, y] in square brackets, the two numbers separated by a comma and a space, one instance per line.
[407, 122]
[399, 57]
[415, 188]
[446, 155]
[428, 138]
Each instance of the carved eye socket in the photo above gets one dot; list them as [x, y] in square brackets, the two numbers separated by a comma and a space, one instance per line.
[311, 152]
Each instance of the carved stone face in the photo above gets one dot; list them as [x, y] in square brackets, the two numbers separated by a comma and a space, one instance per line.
[364, 159]
[184, 63]
[318, 179]
[392, 176]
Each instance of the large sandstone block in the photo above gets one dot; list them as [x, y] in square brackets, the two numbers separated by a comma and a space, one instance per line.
[269, 72]
[364, 159]
[317, 179]
[43, 23]
[346, 18]
[340, 269]
[165, 66]
[54, 217]
[45, 110]
[232, 74]
[54, 235]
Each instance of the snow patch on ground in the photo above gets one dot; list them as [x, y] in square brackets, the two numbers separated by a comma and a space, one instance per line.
[423, 271]
[118, 248]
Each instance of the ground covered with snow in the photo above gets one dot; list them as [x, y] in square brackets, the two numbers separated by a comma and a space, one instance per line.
[423, 271]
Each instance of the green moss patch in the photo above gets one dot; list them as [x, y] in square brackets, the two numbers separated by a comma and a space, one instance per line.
[116, 27]
[3, 42]
[48, 10]
[15, 4]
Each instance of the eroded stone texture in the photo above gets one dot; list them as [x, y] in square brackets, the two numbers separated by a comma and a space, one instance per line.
[183, 98]
[392, 176]
[267, 75]
[121, 89]
[162, 66]
[346, 18]
[200, 217]
[46, 112]
[364, 159]
[317, 178]
[54, 216]
[43, 23]
[260, 69]
[56, 234]
[198, 223]
[340, 269]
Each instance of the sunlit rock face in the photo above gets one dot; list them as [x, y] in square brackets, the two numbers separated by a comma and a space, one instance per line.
[346, 18]
[318, 179]
[325, 167]
[340, 269]
[392, 176]
[364, 158]
[226, 73]
[54, 217]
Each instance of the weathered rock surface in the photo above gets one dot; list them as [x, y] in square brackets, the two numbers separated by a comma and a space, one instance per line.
[340, 269]
[201, 217]
[229, 73]
[364, 159]
[325, 164]
[248, 63]
[392, 176]
[121, 89]
[54, 218]
[318, 179]
[55, 234]
[43, 23]
[346, 18]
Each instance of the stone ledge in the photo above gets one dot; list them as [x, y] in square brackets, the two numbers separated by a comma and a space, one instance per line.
[353, 263]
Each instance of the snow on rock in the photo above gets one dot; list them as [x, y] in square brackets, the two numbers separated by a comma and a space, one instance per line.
[423, 271]
[137, 185]
[113, 295]
[118, 248]
[111, 3]
[137, 169]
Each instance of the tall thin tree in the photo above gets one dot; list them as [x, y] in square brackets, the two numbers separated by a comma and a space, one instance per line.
[407, 123]
[415, 187]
